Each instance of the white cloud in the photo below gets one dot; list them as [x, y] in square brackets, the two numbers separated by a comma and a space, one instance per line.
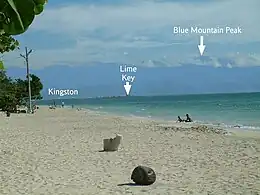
[229, 65]
[150, 63]
[149, 17]
[216, 64]
[143, 30]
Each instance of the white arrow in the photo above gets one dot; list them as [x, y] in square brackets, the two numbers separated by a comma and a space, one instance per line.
[201, 46]
[127, 87]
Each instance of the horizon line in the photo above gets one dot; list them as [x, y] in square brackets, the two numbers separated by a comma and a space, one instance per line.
[159, 95]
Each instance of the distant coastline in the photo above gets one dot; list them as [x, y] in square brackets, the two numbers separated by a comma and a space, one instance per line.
[159, 95]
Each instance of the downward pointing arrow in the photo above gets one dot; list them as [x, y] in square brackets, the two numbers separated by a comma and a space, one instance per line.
[127, 87]
[201, 46]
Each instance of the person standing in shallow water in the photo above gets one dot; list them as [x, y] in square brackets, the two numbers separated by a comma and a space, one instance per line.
[188, 119]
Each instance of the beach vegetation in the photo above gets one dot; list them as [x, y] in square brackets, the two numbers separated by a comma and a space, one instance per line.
[17, 15]
[14, 92]
[15, 18]
[7, 43]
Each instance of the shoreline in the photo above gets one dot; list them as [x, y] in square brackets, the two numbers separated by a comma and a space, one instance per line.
[230, 131]
[225, 110]
[238, 132]
[229, 127]
[58, 152]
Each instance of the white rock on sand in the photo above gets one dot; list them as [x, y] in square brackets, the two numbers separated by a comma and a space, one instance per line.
[57, 152]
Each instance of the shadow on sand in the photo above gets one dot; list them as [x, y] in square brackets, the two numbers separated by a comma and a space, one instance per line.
[105, 151]
[129, 184]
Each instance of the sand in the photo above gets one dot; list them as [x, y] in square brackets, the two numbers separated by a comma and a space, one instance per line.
[57, 152]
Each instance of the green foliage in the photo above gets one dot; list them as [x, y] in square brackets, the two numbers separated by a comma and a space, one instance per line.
[1, 66]
[38, 9]
[6, 95]
[17, 15]
[7, 43]
[13, 93]
[36, 86]
[15, 18]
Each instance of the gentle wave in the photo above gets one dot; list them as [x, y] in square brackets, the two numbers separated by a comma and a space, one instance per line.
[136, 113]
[222, 110]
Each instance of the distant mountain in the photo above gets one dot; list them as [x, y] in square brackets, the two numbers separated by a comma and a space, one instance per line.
[105, 79]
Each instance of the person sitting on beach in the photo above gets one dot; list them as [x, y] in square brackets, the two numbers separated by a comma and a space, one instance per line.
[188, 119]
[180, 119]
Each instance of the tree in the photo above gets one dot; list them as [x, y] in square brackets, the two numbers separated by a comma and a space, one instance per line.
[36, 87]
[14, 93]
[7, 96]
[15, 18]
[17, 15]
[20, 92]
[7, 43]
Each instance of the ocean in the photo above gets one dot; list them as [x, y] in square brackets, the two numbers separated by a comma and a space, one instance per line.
[227, 110]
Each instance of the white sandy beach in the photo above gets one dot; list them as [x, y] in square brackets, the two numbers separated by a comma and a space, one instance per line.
[57, 152]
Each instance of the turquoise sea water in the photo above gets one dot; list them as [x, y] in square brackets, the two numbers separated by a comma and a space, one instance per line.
[218, 109]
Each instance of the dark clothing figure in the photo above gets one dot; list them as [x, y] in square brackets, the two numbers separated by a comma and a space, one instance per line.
[179, 119]
[188, 119]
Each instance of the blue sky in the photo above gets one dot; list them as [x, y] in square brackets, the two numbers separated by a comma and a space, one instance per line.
[82, 32]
